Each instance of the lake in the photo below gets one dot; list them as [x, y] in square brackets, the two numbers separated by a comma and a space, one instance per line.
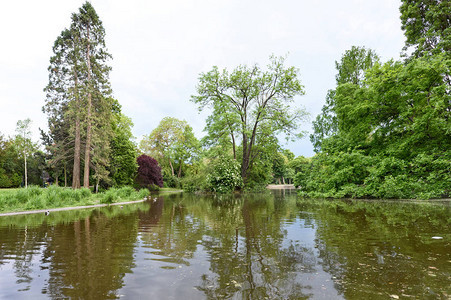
[256, 246]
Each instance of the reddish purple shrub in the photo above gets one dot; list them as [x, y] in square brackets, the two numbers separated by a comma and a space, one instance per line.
[149, 172]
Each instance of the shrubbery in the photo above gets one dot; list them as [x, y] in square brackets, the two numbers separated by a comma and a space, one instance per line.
[149, 172]
[357, 175]
[225, 176]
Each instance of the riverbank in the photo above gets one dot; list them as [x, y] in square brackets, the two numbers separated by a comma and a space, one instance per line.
[50, 210]
[281, 187]
[37, 199]
[16, 201]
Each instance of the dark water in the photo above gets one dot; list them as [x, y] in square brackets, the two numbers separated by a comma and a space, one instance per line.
[267, 246]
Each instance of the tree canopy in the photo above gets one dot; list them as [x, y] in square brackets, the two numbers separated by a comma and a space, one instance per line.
[78, 99]
[173, 144]
[388, 133]
[249, 105]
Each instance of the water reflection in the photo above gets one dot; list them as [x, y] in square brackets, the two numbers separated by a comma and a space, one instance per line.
[265, 246]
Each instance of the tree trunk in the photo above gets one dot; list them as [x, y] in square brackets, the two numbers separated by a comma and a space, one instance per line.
[233, 146]
[77, 146]
[180, 170]
[172, 168]
[25, 160]
[88, 119]
[245, 163]
[88, 145]
[76, 170]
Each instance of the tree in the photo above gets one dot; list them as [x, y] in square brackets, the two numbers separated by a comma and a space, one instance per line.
[279, 167]
[24, 143]
[78, 95]
[173, 141]
[11, 169]
[351, 69]
[123, 165]
[393, 134]
[250, 102]
[427, 26]
[64, 104]
[149, 172]
[91, 34]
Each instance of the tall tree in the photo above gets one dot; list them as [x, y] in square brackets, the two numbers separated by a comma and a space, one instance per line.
[64, 105]
[248, 100]
[91, 34]
[78, 93]
[24, 142]
[351, 69]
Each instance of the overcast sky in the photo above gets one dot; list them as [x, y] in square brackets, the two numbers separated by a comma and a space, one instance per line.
[159, 49]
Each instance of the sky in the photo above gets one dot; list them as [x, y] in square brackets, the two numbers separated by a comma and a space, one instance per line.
[159, 49]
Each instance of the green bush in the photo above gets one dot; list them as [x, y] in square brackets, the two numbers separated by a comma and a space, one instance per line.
[142, 193]
[109, 196]
[225, 176]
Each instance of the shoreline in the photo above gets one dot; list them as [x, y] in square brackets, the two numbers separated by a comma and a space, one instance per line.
[280, 187]
[26, 212]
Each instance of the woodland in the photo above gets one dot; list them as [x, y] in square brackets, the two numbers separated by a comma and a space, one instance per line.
[384, 132]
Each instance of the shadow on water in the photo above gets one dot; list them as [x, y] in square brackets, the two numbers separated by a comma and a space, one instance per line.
[252, 246]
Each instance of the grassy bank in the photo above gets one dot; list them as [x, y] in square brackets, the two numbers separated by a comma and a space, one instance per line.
[33, 197]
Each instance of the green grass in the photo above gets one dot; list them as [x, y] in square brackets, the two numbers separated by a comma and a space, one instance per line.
[35, 198]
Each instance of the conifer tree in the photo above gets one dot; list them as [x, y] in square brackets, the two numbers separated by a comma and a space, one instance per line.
[78, 101]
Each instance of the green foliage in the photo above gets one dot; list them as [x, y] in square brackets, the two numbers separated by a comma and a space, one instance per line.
[12, 162]
[427, 26]
[35, 197]
[351, 70]
[174, 146]
[393, 135]
[279, 165]
[250, 107]
[196, 177]
[123, 166]
[78, 100]
[171, 181]
[224, 176]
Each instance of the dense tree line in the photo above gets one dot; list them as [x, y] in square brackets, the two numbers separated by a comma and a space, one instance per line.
[385, 130]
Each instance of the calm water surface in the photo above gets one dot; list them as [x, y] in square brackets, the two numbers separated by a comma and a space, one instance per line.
[266, 246]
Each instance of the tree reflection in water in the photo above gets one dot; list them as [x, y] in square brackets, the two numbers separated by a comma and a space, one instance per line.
[251, 246]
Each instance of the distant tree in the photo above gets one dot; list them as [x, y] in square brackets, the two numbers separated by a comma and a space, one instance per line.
[172, 142]
[248, 103]
[11, 168]
[24, 143]
[149, 172]
[279, 167]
